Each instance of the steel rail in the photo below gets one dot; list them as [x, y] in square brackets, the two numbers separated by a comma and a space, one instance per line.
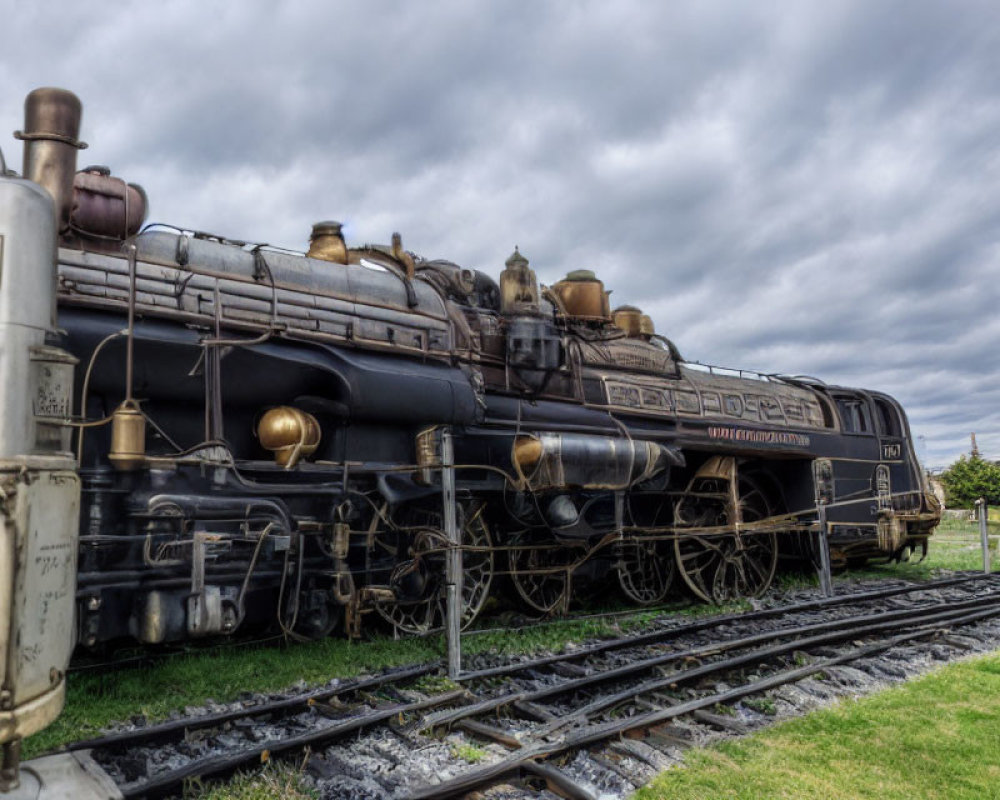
[177, 728]
[755, 656]
[827, 631]
[532, 753]
[695, 627]
[172, 780]
[833, 630]
[164, 731]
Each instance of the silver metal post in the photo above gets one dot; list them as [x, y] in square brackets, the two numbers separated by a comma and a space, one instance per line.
[130, 342]
[453, 566]
[823, 548]
[984, 536]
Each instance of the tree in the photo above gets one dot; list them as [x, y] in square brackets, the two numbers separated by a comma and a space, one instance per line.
[970, 478]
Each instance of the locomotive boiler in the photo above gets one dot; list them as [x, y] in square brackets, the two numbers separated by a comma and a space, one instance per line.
[199, 435]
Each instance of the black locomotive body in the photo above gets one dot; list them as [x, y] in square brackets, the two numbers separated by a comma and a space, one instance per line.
[260, 437]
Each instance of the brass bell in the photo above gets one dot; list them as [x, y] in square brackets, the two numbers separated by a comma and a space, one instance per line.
[128, 437]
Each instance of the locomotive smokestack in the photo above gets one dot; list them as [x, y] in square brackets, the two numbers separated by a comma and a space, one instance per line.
[51, 127]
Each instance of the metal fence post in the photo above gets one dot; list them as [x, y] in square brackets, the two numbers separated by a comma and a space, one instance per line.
[823, 547]
[984, 535]
[453, 565]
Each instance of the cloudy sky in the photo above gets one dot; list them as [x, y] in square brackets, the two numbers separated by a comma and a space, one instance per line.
[806, 188]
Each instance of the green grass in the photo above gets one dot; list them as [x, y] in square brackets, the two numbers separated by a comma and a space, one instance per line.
[274, 781]
[762, 705]
[468, 753]
[96, 700]
[954, 546]
[936, 737]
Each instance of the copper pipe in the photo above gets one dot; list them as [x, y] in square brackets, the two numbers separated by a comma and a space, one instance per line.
[130, 342]
[51, 126]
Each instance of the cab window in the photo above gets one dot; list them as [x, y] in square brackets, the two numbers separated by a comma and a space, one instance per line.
[853, 415]
[888, 419]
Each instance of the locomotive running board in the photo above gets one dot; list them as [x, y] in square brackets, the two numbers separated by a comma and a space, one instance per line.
[64, 776]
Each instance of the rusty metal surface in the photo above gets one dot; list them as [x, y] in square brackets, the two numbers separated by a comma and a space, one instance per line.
[38, 579]
[105, 206]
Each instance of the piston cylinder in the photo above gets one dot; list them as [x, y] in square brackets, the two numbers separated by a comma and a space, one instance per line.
[565, 461]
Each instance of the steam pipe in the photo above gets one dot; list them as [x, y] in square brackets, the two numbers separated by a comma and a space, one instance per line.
[51, 126]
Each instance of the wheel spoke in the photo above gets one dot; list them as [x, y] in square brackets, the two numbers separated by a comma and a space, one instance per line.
[538, 588]
[646, 571]
[719, 567]
[427, 612]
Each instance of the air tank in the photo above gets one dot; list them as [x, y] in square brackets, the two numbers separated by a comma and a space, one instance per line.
[105, 207]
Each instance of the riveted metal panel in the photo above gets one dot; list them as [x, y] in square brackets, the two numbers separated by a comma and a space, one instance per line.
[39, 514]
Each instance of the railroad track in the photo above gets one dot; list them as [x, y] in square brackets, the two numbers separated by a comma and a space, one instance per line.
[534, 713]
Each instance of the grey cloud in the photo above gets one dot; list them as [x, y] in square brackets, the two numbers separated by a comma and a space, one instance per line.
[800, 188]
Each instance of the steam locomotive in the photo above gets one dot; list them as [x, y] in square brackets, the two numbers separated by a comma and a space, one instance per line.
[198, 435]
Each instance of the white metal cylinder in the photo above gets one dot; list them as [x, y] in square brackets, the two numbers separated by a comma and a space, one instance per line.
[39, 486]
[27, 292]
